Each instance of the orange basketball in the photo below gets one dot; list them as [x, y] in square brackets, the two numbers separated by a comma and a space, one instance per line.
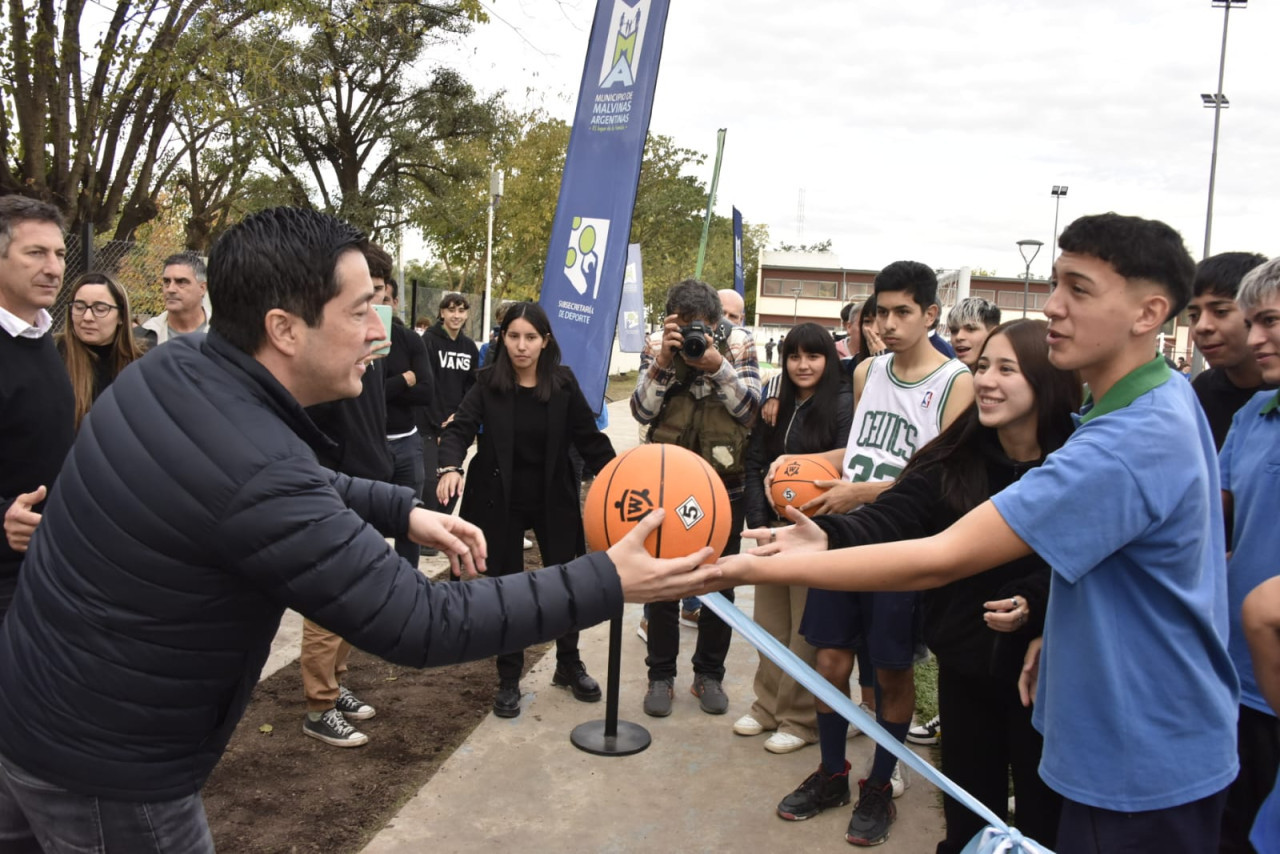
[650, 476]
[793, 483]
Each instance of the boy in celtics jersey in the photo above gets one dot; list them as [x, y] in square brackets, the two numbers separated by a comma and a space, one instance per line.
[902, 400]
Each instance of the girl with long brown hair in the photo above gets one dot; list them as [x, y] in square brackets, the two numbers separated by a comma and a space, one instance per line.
[97, 343]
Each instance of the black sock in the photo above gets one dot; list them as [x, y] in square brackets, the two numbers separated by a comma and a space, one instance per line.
[832, 731]
[882, 765]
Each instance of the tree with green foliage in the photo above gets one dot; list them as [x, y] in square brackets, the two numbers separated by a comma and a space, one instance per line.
[89, 126]
[667, 221]
[360, 123]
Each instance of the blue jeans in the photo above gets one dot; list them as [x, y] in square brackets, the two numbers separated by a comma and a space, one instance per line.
[407, 453]
[37, 816]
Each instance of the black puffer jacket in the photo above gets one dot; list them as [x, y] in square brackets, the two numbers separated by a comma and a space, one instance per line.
[189, 514]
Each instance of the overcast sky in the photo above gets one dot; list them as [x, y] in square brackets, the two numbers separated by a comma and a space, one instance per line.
[934, 130]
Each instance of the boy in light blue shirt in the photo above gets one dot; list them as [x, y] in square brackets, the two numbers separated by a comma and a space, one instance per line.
[1134, 690]
[1250, 465]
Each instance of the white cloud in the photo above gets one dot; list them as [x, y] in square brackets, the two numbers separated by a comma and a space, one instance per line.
[934, 130]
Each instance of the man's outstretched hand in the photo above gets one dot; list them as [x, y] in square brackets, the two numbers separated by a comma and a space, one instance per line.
[649, 579]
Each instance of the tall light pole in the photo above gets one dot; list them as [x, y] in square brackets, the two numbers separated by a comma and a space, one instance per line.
[1217, 102]
[1025, 246]
[1058, 191]
[795, 306]
[495, 193]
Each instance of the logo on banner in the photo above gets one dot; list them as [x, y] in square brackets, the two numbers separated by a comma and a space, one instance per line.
[626, 24]
[585, 256]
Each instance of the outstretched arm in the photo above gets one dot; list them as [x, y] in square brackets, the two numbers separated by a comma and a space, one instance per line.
[980, 540]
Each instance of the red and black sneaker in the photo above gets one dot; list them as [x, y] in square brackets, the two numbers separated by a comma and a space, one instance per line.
[818, 792]
[869, 824]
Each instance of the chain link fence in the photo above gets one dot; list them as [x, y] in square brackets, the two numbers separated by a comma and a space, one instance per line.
[136, 266]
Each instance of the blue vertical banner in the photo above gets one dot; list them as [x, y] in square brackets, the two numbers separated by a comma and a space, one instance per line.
[631, 314]
[738, 284]
[586, 259]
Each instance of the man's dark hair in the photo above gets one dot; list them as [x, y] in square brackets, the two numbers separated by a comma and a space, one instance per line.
[916, 280]
[694, 300]
[192, 260]
[453, 299]
[1138, 249]
[16, 209]
[380, 263]
[393, 287]
[282, 258]
[847, 311]
[1220, 274]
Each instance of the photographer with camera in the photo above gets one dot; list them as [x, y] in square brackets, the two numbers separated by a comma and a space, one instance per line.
[701, 391]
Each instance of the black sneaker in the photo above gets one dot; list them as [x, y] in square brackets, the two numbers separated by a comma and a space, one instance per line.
[352, 707]
[575, 678]
[869, 824]
[818, 792]
[506, 703]
[332, 728]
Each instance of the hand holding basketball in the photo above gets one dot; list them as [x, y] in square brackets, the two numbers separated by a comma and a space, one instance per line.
[800, 481]
[645, 578]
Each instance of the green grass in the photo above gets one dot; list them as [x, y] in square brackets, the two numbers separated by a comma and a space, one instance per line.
[927, 689]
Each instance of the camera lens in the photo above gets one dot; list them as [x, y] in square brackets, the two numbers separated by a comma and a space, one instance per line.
[694, 345]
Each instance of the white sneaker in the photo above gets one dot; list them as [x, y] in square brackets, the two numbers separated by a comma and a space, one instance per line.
[642, 630]
[928, 733]
[784, 742]
[900, 779]
[747, 725]
[528, 544]
[854, 732]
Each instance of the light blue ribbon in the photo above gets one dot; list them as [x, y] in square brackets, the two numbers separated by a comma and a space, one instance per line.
[999, 838]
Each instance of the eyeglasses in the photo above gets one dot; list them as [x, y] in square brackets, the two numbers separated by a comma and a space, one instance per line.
[99, 309]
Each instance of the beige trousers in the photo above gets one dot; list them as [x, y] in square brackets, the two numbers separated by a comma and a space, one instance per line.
[781, 703]
[324, 661]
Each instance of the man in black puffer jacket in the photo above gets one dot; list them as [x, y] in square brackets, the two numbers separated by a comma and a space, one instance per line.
[191, 512]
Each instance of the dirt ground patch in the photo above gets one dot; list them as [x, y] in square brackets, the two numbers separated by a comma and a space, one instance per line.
[281, 791]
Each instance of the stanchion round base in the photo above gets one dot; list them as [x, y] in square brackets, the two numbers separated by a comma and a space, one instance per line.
[631, 738]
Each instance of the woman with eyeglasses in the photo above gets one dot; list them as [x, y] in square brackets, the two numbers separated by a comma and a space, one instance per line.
[97, 343]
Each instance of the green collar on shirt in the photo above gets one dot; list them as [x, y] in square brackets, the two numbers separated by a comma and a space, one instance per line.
[1130, 387]
[1271, 405]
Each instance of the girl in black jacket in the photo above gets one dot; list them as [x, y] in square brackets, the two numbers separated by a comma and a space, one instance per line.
[532, 411]
[979, 628]
[815, 410]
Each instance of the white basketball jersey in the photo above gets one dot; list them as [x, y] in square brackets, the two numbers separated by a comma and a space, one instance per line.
[894, 419]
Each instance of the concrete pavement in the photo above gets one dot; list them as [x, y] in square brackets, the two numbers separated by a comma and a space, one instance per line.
[698, 787]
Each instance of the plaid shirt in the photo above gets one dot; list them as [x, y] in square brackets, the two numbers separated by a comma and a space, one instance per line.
[736, 384]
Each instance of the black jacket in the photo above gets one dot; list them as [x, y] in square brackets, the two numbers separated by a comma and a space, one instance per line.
[915, 507]
[37, 426]
[358, 428]
[759, 509]
[190, 513]
[486, 491]
[406, 402]
[454, 363]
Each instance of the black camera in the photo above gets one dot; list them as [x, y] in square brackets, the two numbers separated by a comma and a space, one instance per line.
[698, 336]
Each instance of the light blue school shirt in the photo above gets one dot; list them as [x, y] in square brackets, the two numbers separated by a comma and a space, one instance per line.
[1137, 695]
[1250, 465]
